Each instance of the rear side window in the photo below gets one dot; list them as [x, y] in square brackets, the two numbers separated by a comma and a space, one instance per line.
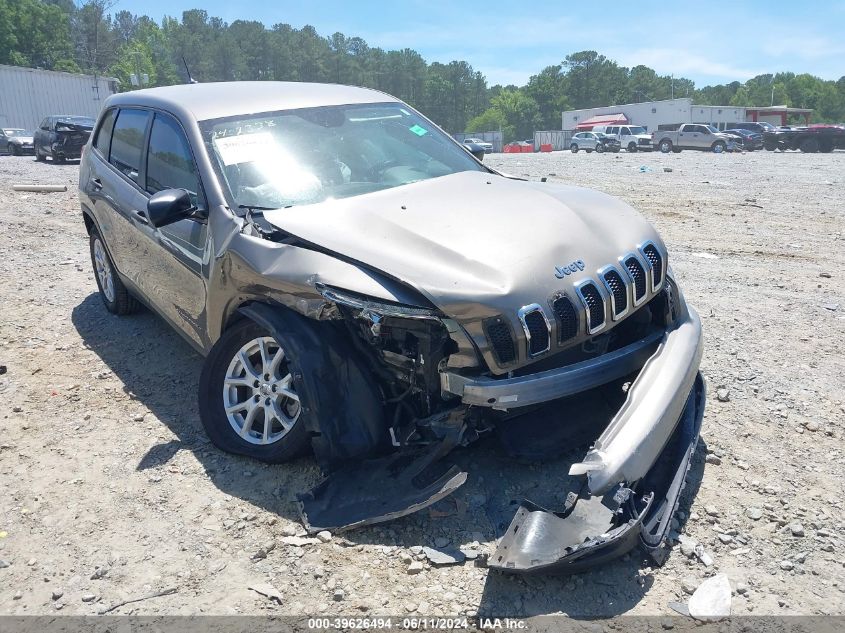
[103, 138]
[170, 164]
[128, 142]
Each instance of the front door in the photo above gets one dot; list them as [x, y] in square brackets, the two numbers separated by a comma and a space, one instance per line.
[174, 255]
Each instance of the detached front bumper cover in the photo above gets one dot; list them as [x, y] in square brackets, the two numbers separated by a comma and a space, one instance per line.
[635, 471]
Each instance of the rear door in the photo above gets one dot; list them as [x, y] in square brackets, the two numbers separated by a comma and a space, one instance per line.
[115, 188]
[688, 136]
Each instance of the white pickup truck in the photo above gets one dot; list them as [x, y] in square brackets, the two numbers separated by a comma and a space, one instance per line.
[692, 136]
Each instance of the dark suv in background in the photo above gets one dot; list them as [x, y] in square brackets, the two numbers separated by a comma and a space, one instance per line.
[62, 137]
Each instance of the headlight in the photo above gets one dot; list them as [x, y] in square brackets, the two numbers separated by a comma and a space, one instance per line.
[377, 306]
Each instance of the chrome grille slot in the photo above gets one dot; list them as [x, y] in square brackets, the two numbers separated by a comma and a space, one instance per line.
[567, 318]
[594, 303]
[537, 329]
[655, 260]
[636, 271]
[501, 340]
[618, 290]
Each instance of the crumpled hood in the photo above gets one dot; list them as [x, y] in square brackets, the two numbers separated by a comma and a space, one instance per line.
[476, 244]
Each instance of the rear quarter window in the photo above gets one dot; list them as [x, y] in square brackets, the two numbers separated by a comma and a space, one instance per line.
[102, 138]
[128, 142]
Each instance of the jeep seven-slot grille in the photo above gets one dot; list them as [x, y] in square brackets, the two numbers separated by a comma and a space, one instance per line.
[501, 340]
[656, 260]
[595, 306]
[567, 319]
[635, 268]
[618, 290]
[538, 328]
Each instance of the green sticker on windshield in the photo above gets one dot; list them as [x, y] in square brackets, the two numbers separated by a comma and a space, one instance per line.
[418, 130]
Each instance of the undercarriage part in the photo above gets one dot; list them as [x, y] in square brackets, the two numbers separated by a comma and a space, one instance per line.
[378, 490]
[593, 529]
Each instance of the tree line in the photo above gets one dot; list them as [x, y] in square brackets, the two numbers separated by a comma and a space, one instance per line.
[91, 38]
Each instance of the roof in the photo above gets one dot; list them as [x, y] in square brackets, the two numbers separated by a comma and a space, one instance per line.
[221, 99]
[603, 119]
[778, 109]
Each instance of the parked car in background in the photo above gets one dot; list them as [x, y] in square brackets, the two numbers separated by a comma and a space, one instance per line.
[752, 126]
[475, 150]
[488, 147]
[15, 141]
[693, 136]
[62, 137]
[361, 287]
[631, 137]
[746, 140]
[821, 138]
[589, 141]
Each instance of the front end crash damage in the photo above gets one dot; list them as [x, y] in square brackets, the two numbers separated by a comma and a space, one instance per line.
[397, 387]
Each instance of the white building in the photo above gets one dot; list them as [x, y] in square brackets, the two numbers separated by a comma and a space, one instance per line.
[651, 114]
[27, 95]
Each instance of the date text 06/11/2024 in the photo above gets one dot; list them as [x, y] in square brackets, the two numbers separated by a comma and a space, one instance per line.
[415, 623]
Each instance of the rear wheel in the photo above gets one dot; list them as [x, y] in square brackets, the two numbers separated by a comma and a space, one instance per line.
[247, 400]
[114, 294]
[809, 145]
[665, 146]
[574, 148]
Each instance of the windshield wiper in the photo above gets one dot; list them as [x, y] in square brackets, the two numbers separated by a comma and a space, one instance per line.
[254, 207]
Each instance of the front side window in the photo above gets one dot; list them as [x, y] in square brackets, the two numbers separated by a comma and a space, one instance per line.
[637, 130]
[305, 156]
[128, 142]
[170, 164]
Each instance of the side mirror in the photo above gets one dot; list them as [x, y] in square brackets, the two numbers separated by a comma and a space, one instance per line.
[478, 152]
[169, 206]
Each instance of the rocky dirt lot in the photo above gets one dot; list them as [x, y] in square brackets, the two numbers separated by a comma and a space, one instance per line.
[110, 490]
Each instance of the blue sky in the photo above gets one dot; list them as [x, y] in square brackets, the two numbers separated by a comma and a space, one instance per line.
[709, 42]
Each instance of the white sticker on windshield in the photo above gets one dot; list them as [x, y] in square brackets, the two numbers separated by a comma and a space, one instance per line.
[245, 148]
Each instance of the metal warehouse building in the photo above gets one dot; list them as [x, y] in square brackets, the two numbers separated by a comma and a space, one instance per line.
[27, 95]
[651, 114]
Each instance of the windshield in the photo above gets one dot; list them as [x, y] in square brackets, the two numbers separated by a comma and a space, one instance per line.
[297, 157]
[712, 128]
[638, 130]
[76, 120]
[16, 132]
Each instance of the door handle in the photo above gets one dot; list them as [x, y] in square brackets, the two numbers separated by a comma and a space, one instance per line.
[139, 215]
[97, 183]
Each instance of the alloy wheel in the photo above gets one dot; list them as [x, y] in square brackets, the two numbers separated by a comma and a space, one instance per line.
[258, 393]
[104, 271]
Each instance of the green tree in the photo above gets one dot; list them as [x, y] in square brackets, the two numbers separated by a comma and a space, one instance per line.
[548, 88]
[36, 34]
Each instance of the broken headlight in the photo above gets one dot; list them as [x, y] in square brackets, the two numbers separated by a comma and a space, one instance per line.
[368, 305]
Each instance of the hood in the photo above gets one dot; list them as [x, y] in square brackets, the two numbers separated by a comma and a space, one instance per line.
[21, 139]
[475, 244]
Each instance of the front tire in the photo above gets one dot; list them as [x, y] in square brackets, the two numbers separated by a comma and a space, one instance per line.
[632, 147]
[56, 158]
[599, 148]
[114, 294]
[14, 150]
[247, 402]
[719, 147]
[39, 156]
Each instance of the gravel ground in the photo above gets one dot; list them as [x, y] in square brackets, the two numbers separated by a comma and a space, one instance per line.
[112, 492]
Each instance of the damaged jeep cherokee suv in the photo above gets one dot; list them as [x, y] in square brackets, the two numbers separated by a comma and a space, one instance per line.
[363, 287]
